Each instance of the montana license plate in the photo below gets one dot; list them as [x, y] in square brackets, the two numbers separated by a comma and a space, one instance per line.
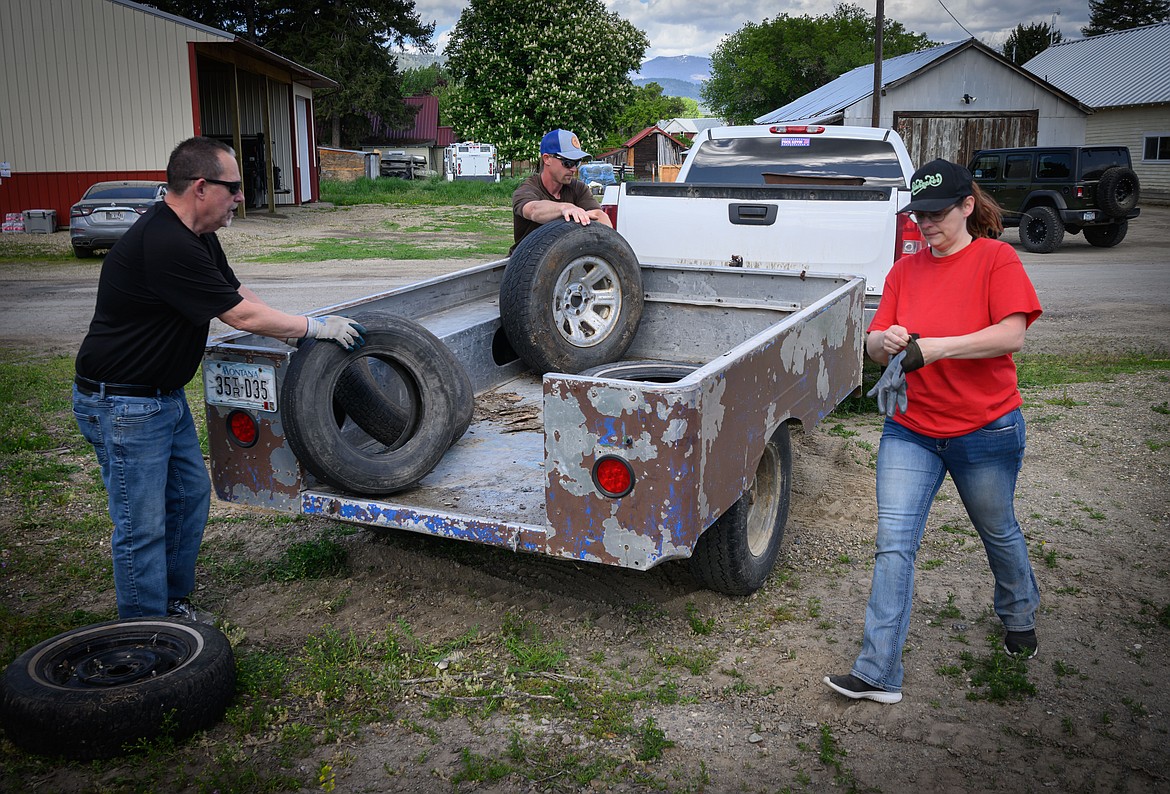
[240, 385]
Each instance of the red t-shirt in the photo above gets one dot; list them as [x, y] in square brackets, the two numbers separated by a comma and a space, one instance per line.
[950, 296]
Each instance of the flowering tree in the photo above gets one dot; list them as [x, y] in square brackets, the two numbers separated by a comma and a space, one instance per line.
[524, 67]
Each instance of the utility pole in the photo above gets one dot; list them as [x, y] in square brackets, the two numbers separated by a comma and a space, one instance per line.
[878, 28]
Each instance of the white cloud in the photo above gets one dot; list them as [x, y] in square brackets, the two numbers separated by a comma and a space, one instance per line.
[695, 27]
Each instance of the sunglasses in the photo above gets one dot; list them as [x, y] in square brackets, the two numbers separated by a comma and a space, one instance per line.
[932, 217]
[569, 163]
[233, 187]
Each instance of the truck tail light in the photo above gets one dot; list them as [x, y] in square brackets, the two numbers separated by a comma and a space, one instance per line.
[611, 211]
[613, 476]
[909, 239]
[796, 129]
[242, 428]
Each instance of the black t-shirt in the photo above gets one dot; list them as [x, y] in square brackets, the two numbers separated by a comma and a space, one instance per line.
[160, 286]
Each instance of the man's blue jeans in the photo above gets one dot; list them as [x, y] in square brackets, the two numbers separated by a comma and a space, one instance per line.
[159, 493]
[984, 466]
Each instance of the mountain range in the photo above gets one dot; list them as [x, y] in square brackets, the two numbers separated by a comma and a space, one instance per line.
[680, 75]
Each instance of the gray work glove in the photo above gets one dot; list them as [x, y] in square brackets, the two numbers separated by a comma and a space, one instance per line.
[335, 328]
[890, 389]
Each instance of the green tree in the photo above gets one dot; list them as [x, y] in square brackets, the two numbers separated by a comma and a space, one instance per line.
[422, 80]
[347, 41]
[763, 66]
[647, 106]
[1027, 41]
[524, 67]
[1106, 16]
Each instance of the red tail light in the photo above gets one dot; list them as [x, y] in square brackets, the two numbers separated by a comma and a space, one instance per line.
[242, 428]
[611, 211]
[909, 239]
[613, 476]
[80, 212]
[796, 129]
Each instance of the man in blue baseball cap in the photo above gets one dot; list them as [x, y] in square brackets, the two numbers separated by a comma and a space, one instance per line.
[555, 191]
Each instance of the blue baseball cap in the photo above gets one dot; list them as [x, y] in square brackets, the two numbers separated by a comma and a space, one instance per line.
[564, 143]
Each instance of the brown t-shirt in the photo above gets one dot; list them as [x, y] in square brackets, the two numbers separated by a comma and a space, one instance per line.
[532, 189]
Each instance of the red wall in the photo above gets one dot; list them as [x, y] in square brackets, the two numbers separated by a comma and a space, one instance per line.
[58, 190]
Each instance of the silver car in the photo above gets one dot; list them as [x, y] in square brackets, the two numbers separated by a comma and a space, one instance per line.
[107, 210]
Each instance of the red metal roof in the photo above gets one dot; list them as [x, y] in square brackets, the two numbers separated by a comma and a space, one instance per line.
[426, 122]
[650, 131]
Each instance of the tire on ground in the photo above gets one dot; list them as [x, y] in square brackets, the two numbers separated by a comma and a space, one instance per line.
[643, 371]
[1118, 191]
[435, 397]
[97, 691]
[1106, 236]
[571, 297]
[736, 554]
[1041, 230]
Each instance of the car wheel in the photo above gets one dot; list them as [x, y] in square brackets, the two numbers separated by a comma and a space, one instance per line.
[642, 371]
[571, 297]
[1041, 230]
[1107, 236]
[736, 554]
[423, 372]
[96, 691]
[1118, 191]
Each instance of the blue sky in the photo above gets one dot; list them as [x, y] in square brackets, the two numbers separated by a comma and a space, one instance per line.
[695, 27]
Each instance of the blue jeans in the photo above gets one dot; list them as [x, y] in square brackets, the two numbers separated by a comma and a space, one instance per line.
[159, 493]
[984, 465]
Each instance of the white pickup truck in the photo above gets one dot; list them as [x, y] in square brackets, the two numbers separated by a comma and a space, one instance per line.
[803, 198]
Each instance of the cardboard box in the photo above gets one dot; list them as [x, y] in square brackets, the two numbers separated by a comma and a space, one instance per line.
[40, 221]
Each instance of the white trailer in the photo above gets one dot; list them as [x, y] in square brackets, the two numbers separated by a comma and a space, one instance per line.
[470, 160]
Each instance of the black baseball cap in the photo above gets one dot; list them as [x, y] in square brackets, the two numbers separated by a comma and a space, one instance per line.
[937, 185]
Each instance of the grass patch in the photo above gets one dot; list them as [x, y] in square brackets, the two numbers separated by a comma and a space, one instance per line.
[1038, 370]
[435, 191]
[39, 248]
[999, 677]
[353, 249]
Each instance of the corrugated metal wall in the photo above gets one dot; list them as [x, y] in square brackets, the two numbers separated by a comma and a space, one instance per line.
[1129, 128]
[110, 86]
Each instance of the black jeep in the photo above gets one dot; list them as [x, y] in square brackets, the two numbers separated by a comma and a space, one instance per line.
[1048, 190]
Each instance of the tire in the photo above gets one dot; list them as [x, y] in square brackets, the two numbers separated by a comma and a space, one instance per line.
[372, 396]
[81, 252]
[642, 371]
[96, 691]
[571, 297]
[1107, 236]
[736, 554]
[434, 399]
[1118, 191]
[1041, 230]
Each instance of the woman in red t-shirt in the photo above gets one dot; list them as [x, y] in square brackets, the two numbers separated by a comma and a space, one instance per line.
[949, 320]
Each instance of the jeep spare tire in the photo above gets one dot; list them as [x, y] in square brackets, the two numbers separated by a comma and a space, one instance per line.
[1118, 191]
[99, 690]
[427, 386]
[571, 297]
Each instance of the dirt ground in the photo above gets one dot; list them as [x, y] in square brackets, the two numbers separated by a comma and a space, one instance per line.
[1093, 504]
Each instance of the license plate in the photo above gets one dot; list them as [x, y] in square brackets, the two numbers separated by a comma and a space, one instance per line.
[114, 216]
[240, 385]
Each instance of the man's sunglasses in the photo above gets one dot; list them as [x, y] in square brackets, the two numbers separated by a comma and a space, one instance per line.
[233, 187]
[569, 163]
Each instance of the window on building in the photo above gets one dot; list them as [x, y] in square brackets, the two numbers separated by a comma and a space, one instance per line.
[1157, 147]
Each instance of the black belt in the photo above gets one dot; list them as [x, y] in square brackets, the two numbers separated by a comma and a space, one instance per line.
[87, 386]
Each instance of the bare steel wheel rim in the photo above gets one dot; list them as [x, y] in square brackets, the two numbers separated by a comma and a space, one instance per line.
[587, 301]
[763, 503]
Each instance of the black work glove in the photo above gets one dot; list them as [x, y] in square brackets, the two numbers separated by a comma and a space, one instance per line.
[913, 353]
[890, 389]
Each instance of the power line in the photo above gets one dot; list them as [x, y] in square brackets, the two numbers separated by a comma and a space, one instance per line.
[957, 22]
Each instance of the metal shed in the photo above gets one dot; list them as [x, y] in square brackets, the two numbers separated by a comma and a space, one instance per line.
[946, 101]
[104, 89]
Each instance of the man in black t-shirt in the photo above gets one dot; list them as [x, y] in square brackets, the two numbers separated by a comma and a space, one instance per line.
[159, 287]
[555, 191]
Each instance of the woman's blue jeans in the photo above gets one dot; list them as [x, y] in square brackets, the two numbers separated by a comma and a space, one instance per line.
[159, 493]
[984, 466]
